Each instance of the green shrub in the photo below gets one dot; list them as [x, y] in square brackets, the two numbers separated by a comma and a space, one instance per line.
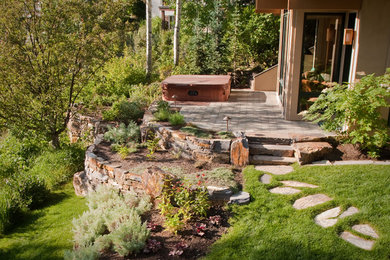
[113, 222]
[123, 111]
[19, 193]
[55, 167]
[180, 202]
[162, 105]
[83, 253]
[356, 107]
[17, 154]
[122, 134]
[176, 119]
[162, 115]
[144, 95]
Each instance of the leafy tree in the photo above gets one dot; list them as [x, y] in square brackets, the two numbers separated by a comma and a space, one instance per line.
[49, 49]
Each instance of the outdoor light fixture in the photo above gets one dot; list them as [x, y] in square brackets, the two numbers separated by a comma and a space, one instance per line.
[348, 36]
[174, 97]
[227, 118]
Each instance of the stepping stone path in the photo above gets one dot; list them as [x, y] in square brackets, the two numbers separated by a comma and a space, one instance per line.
[266, 179]
[276, 170]
[284, 190]
[241, 197]
[325, 219]
[366, 229]
[311, 201]
[357, 241]
[349, 212]
[328, 218]
[298, 184]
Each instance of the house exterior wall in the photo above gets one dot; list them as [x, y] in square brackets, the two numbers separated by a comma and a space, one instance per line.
[374, 38]
[266, 81]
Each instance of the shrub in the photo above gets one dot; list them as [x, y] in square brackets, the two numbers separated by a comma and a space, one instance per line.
[162, 115]
[18, 194]
[176, 119]
[353, 112]
[162, 105]
[113, 221]
[122, 134]
[181, 201]
[144, 95]
[56, 167]
[123, 111]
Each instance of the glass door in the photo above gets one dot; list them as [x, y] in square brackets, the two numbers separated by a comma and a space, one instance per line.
[321, 55]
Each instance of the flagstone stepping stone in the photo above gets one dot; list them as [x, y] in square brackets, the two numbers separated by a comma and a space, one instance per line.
[328, 218]
[266, 179]
[349, 212]
[365, 229]
[311, 201]
[357, 241]
[298, 184]
[241, 197]
[284, 190]
[277, 170]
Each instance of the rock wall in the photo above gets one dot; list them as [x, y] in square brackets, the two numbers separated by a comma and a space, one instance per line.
[188, 146]
[80, 126]
[99, 171]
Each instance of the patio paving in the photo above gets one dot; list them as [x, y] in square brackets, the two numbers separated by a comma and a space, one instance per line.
[251, 112]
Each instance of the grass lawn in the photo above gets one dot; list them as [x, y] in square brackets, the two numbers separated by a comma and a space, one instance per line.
[47, 232]
[270, 228]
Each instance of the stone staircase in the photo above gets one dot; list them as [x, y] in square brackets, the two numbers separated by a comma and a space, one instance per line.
[270, 150]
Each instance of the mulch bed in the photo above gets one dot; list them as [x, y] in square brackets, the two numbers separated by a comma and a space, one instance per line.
[192, 245]
[161, 158]
[346, 152]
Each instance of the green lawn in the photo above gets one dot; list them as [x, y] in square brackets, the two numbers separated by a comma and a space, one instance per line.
[47, 232]
[270, 228]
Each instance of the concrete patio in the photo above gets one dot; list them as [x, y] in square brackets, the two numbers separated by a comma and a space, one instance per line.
[255, 113]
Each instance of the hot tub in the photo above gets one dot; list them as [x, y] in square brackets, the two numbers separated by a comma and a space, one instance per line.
[196, 88]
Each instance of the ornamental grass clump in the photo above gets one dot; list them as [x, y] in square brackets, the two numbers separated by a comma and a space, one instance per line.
[112, 223]
[353, 112]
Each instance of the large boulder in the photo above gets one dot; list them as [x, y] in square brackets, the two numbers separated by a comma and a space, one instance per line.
[153, 180]
[239, 152]
[308, 152]
[80, 183]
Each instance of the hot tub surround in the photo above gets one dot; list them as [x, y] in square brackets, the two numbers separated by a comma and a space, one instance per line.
[204, 88]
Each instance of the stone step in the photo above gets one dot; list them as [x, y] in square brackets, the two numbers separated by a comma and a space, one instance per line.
[271, 160]
[252, 139]
[271, 149]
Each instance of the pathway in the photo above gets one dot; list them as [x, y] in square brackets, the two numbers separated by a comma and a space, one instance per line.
[325, 219]
[250, 112]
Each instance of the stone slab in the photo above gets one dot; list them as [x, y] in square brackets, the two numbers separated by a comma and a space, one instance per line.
[311, 201]
[298, 184]
[349, 212]
[284, 190]
[277, 170]
[328, 218]
[357, 241]
[241, 197]
[320, 163]
[219, 193]
[307, 152]
[365, 229]
[266, 179]
[362, 162]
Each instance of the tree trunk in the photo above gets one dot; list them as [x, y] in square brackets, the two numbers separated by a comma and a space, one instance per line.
[176, 38]
[55, 140]
[148, 38]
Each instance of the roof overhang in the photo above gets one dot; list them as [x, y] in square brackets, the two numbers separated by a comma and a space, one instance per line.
[269, 6]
